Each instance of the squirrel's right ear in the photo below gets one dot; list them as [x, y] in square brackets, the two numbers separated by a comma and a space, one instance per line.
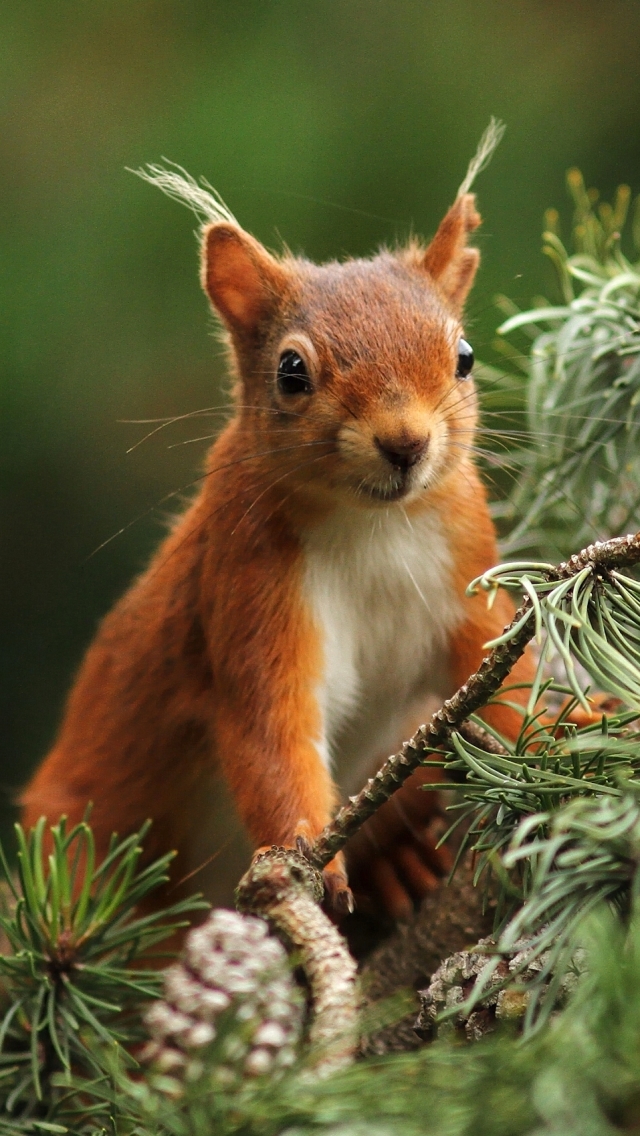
[448, 260]
[242, 280]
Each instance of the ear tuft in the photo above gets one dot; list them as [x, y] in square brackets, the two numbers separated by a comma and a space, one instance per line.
[242, 280]
[458, 280]
[448, 260]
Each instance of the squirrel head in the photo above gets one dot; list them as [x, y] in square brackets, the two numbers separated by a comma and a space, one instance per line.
[355, 375]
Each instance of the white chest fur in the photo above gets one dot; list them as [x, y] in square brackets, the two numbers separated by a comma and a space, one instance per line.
[379, 587]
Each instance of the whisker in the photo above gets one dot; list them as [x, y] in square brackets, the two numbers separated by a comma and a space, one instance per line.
[454, 389]
[507, 434]
[302, 465]
[552, 414]
[296, 488]
[191, 441]
[407, 518]
[568, 450]
[286, 430]
[457, 390]
[492, 433]
[169, 418]
[205, 412]
[577, 510]
[191, 484]
[344, 405]
[225, 504]
[498, 461]
[413, 579]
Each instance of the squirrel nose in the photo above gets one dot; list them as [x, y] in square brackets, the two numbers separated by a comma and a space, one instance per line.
[403, 452]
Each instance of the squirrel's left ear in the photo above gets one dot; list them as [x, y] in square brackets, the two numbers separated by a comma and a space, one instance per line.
[448, 260]
[242, 280]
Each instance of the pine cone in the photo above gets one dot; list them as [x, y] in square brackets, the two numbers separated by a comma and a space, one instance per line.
[231, 1007]
[453, 982]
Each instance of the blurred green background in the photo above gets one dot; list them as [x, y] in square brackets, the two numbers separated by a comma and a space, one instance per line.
[333, 125]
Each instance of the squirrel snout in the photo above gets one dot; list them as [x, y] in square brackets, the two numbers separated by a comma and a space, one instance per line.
[402, 452]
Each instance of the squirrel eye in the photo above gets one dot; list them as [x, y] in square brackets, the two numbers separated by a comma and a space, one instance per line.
[293, 377]
[465, 360]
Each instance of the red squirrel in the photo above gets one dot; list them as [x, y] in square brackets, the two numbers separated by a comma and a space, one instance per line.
[314, 591]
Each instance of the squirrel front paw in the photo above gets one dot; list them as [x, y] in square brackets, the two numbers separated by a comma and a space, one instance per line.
[338, 897]
[394, 860]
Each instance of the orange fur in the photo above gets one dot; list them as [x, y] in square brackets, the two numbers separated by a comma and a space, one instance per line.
[216, 659]
[472, 530]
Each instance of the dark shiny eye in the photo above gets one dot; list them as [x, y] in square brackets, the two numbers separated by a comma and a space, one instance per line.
[465, 360]
[293, 377]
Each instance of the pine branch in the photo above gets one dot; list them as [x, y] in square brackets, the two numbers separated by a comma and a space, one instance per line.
[283, 887]
[599, 559]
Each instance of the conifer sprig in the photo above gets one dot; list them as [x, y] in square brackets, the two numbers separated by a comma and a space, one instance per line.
[579, 471]
[591, 854]
[590, 614]
[73, 978]
[578, 859]
[518, 800]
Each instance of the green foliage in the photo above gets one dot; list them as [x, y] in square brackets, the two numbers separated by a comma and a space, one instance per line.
[579, 470]
[577, 477]
[580, 1075]
[73, 974]
[590, 854]
[560, 801]
[592, 617]
[537, 775]
[582, 855]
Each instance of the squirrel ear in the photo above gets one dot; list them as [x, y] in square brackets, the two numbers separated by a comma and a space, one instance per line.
[242, 280]
[447, 259]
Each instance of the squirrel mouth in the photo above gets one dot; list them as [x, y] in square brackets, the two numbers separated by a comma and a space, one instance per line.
[388, 494]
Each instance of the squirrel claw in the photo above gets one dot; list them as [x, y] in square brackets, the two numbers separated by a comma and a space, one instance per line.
[344, 902]
[339, 897]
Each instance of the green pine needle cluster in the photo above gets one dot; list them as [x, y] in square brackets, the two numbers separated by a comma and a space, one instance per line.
[73, 978]
[592, 618]
[576, 478]
[576, 466]
[581, 1073]
[525, 811]
[589, 621]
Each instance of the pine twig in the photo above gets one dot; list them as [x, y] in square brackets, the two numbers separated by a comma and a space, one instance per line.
[603, 556]
[283, 887]
[474, 733]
